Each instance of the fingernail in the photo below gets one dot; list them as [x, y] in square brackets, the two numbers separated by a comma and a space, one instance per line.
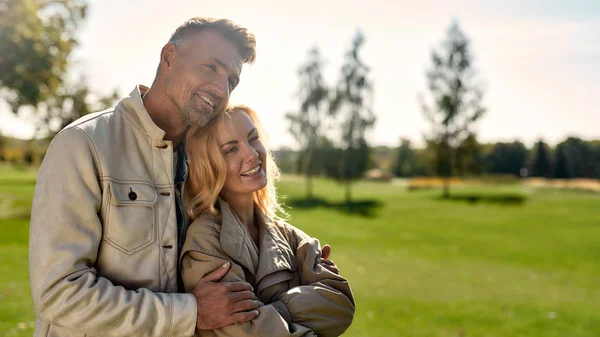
[256, 312]
[225, 265]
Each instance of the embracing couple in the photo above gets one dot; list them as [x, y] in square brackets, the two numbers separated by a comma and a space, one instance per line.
[159, 217]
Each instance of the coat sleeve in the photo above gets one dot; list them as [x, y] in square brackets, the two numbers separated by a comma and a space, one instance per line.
[324, 301]
[202, 254]
[65, 236]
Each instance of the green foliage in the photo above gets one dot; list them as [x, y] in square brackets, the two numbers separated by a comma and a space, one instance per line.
[71, 103]
[541, 165]
[36, 39]
[576, 158]
[455, 100]
[469, 159]
[507, 158]
[405, 160]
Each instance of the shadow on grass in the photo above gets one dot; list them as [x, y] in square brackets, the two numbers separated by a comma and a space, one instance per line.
[365, 208]
[502, 199]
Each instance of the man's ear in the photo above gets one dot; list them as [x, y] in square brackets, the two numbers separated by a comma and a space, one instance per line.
[167, 55]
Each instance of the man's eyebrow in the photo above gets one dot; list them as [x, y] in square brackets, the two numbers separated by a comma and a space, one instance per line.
[236, 78]
[220, 63]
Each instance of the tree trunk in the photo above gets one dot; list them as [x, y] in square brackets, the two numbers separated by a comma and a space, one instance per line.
[348, 192]
[446, 193]
[309, 187]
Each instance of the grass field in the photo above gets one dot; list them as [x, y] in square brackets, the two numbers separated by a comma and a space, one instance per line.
[418, 265]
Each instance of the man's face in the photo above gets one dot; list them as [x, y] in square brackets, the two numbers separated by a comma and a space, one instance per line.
[205, 69]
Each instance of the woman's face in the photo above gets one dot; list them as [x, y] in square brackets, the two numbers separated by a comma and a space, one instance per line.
[244, 156]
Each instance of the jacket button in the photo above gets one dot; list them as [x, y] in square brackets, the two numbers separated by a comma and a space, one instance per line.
[132, 194]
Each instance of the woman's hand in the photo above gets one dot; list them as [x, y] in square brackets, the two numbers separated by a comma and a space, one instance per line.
[325, 262]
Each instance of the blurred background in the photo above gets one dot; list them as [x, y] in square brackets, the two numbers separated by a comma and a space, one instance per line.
[448, 151]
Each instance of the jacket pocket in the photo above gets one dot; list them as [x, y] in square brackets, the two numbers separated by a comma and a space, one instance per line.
[131, 216]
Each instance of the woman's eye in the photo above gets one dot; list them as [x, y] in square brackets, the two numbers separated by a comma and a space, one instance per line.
[254, 138]
[231, 150]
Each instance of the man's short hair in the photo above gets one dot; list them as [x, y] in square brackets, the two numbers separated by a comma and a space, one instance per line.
[240, 36]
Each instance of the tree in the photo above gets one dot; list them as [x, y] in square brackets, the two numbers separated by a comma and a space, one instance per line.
[561, 167]
[36, 39]
[507, 158]
[455, 101]
[541, 165]
[71, 103]
[306, 125]
[351, 105]
[469, 156]
[595, 149]
[405, 161]
[575, 159]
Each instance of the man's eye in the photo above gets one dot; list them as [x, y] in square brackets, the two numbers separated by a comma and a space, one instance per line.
[212, 67]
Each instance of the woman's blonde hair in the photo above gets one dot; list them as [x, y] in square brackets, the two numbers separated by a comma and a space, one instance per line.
[207, 169]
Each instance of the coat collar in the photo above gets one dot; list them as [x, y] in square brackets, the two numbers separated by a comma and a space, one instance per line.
[273, 252]
[134, 107]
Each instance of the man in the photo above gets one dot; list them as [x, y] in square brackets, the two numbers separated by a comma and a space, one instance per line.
[107, 218]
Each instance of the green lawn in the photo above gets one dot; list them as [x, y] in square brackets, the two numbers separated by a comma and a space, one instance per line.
[418, 265]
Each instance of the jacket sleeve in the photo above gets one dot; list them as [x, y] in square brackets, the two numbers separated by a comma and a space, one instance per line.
[202, 254]
[324, 301]
[65, 235]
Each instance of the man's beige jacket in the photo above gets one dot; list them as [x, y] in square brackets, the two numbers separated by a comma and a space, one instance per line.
[301, 297]
[103, 245]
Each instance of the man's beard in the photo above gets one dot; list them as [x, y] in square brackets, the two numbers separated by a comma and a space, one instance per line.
[191, 116]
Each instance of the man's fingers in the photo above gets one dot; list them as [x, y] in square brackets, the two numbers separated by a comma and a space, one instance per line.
[244, 316]
[217, 274]
[246, 305]
[325, 252]
[238, 286]
[242, 295]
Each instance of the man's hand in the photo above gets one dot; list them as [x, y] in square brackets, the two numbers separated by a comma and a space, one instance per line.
[222, 304]
[325, 262]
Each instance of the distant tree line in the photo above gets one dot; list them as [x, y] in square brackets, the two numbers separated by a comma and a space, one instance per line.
[571, 158]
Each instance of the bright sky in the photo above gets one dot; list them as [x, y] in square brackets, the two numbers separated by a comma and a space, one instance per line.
[539, 60]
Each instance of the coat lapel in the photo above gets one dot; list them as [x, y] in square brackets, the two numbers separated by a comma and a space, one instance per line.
[234, 240]
[275, 253]
[272, 255]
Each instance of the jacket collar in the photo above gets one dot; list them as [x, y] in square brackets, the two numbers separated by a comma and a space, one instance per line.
[134, 107]
[273, 253]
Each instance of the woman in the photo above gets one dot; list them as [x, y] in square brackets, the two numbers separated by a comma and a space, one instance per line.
[234, 204]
